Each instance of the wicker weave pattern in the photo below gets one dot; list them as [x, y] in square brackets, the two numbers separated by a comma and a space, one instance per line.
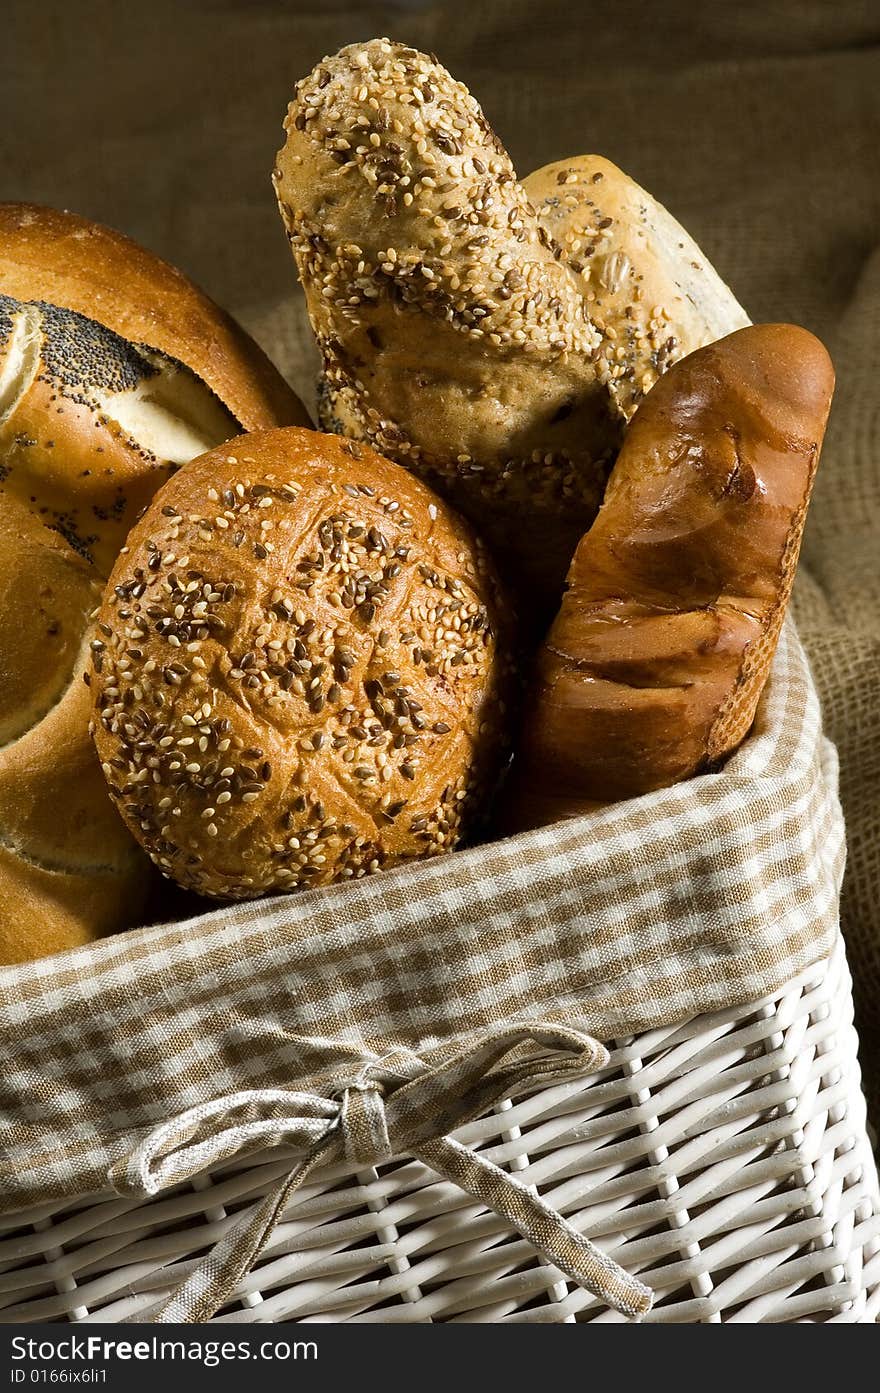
[724, 1160]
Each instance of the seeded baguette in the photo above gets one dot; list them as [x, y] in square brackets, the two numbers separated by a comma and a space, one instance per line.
[299, 670]
[654, 665]
[113, 371]
[455, 324]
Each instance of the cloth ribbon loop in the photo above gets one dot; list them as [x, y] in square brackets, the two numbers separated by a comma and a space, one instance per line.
[365, 1127]
[169, 1155]
[396, 1106]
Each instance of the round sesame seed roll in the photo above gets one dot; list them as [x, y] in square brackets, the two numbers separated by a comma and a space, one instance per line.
[114, 370]
[456, 323]
[300, 669]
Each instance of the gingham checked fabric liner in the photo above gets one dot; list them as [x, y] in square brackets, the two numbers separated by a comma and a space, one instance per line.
[371, 1019]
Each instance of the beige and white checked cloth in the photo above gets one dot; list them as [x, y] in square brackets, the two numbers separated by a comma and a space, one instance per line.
[372, 1019]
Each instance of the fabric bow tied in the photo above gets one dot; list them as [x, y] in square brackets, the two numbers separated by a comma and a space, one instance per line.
[395, 1106]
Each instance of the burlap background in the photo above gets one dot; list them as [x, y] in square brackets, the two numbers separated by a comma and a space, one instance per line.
[757, 124]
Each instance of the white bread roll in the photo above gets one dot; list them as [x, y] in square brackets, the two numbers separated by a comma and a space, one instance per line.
[651, 293]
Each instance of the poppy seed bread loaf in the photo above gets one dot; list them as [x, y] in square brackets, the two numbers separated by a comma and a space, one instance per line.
[94, 424]
[114, 370]
[299, 669]
[65, 260]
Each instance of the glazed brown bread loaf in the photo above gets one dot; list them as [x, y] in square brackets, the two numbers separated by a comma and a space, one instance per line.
[654, 665]
[299, 669]
[492, 336]
[114, 370]
[67, 865]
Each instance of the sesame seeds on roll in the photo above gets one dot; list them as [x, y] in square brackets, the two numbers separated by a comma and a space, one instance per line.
[490, 335]
[299, 670]
[453, 339]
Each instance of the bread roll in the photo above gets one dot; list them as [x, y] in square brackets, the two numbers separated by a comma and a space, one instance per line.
[113, 371]
[649, 290]
[299, 670]
[654, 665]
[82, 266]
[92, 424]
[455, 323]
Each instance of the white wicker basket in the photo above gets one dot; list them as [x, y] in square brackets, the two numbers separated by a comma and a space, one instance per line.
[724, 1160]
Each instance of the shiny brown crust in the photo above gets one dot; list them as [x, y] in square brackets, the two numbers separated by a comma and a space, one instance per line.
[59, 257]
[76, 467]
[654, 665]
[69, 871]
[455, 323]
[66, 452]
[47, 592]
[299, 669]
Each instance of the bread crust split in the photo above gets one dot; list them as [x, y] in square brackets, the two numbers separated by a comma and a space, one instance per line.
[653, 667]
[300, 669]
[114, 369]
[492, 336]
[93, 424]
[68, 261]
